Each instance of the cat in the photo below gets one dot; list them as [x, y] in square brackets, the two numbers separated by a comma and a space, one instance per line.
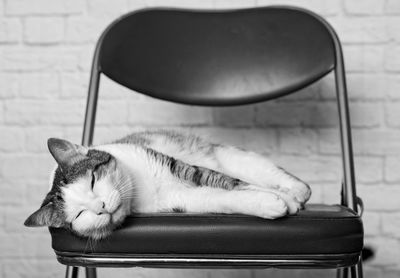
[93, 189]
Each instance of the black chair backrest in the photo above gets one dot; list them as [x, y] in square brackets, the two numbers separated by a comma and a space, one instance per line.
[216, 57]
[220, 58]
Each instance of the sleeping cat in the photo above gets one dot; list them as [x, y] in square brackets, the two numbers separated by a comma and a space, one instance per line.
[95, 188]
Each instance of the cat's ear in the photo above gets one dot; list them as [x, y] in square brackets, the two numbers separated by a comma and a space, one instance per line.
[47, 215]
[66, 153]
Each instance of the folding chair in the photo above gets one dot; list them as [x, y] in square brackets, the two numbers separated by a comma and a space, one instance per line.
[223, 58]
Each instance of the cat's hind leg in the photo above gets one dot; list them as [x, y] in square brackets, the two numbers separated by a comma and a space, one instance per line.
[257, 169]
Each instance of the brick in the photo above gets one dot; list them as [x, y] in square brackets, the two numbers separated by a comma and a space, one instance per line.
[29, 112]
[308, 93]
[297, 114]
[170, 273]
[379, 198]
[37, 246]
[11, 192]
[237, 116]
[310, 168]
[112, 112]
[372, 223]
[370, 271]
[316, 195]
[84, 30]
[387, 251]
[326, 88]
[11, 139]
[392, 7]
[391, 224]
[367, 7]
[297, 141]
[74, 133]
[106, 134]
[368, 169]
[10, 85]
[393, 28]
[10, 246]
[107, 9]
[219, 4]
[74, 85]
[36, 137]
[234, 273]
[39, 85]
[393, 87]
[366, 86]
[32, 268]
[39, 59]
[374, 142]
[392, 169]
[392, 114]
[360, 30]
[44, 30]
[140, 4]
[2, 113]
[15, 217]
[36, 189]
[326, 8]
[166, 113]
[392, 58]
[25, 166]
[366, 114]
[112, 90]
[10, 30]
[208, 4]
[390, 273]
[330, 192]
[363, 58]
[300, 273]
[328, 141]
[85, 56]
[259, 140]
[44, 7]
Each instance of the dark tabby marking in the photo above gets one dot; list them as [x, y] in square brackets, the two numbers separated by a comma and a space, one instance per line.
[178, 210]
[93, 160]
[199, 176]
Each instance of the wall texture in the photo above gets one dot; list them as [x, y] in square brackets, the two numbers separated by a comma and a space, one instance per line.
[45, 54]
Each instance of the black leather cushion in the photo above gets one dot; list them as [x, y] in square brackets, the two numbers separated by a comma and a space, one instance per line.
[319, 229]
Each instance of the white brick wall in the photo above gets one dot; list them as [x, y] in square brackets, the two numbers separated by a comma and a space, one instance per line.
[45, 53]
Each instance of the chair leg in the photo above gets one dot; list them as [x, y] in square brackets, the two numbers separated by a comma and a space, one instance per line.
[357, 271]
[342, 272]
[71, 272]
[91, 272]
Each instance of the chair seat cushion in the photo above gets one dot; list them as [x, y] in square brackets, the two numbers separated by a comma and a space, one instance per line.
[318, 229]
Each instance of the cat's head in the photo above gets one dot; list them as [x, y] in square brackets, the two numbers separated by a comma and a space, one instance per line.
[85, 195]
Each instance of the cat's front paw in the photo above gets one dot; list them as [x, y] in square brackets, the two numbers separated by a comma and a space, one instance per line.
[299, 190]
[269, 206]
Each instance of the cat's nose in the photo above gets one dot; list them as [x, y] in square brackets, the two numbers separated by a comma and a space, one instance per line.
[113, 201]
[97, 206]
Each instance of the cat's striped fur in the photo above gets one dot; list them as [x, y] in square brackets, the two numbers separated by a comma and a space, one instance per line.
[94, 189]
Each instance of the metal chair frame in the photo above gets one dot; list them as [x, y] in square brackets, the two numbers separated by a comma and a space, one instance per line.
[349, 197]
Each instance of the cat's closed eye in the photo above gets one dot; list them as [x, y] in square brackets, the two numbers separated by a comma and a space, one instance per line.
[93, 180]
[79, 214]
